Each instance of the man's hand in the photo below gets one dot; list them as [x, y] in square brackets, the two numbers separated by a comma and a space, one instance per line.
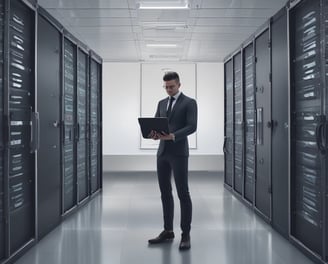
[164, 136]
[154, 135]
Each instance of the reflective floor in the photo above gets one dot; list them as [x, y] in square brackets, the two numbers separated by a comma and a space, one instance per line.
[115, 226]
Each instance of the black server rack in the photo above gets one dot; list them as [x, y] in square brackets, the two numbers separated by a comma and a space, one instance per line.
[2, 146]
[228, 127]
[291, 127]
[49, 108]
[238, 124]
[95, 123]
[279, 105]
[46, 122]
[308, 142]
[82, 124]
[69, 124]
[263, 125]
[249, 117]
[263, 120]
[22, 122]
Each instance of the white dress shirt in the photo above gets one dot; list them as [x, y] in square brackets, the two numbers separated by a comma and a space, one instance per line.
[176, 98]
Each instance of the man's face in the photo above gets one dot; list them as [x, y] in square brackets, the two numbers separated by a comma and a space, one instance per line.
[172, 87]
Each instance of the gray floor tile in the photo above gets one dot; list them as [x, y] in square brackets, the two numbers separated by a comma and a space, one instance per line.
[115, 226]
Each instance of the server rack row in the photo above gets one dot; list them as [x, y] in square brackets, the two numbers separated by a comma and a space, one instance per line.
[284, 127]
[308, 75]
[249, 74]
[51, 123]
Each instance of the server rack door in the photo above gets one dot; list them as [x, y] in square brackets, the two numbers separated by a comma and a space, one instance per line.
[325, 74]
[228, 140]
[263, 118]
[307, 123]
[249, 114]
[49, 165]
[100, 139]
[70, 187]
[82, 84]
[280, 123]
[21, 118]
[94, 125]
[2, 215]
[238, 125]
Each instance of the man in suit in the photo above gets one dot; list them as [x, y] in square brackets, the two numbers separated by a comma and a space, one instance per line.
[172, 155]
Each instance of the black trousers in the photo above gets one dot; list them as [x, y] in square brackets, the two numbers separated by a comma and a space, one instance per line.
[166, 164]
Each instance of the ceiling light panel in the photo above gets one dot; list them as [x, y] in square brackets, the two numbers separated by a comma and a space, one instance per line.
[83, 4]
[161, 45]
[170, 4]
[94, 13]
[225, 21]
[242, 3]
[232, 12]
[157, 25]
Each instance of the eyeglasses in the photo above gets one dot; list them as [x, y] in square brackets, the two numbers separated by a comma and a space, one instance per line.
[171, 87]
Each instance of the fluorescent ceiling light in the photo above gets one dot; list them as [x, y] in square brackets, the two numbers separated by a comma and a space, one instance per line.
[178, 4]
[161, 45]
[164, 58]
[164, 7]
[157, 24]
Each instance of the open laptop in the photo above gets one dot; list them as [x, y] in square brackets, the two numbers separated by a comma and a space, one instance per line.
[158, 124]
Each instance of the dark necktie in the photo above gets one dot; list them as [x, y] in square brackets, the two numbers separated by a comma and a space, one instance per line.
[169, 110]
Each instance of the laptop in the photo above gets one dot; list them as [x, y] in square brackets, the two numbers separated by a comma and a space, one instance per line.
[158, 124]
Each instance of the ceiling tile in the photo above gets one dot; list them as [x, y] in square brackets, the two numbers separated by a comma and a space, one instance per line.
[117, 30]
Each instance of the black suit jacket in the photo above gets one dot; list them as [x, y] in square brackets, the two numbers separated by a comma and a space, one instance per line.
[182, 122]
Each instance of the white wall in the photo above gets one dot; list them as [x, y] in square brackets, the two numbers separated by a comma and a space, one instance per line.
[121, 108]
[210, 99]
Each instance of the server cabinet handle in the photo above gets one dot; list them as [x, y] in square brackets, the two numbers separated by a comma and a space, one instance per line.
[78, 132]
[56, 124]
[319, 137]
[259, 126]
[325, 139]
[225, 145]
[62, 132]
[70, 134]
[38, 130]
[35, 132]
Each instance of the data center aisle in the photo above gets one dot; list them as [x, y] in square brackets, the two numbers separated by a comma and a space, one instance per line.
[115, 226]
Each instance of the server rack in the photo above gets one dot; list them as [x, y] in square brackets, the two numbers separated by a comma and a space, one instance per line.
[263, 127]
[32, 44]
[69, 123]
[22, 125]
[263, 191]
[95, 124]
[291, 124]
[308, 144]
[238, 124]
[49, 107]
[82, 124]
[228, 127]
[250, 118]
[280, 124]
[2, 145]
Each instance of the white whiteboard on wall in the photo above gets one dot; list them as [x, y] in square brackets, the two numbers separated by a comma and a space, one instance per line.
[152, 92]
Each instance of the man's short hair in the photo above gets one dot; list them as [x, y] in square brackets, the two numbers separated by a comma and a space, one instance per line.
[169, 76]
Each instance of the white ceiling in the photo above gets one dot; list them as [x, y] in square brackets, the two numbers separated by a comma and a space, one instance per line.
[119, 31]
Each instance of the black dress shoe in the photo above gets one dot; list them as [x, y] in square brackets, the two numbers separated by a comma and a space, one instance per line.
[185, 242]
[163, 237]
